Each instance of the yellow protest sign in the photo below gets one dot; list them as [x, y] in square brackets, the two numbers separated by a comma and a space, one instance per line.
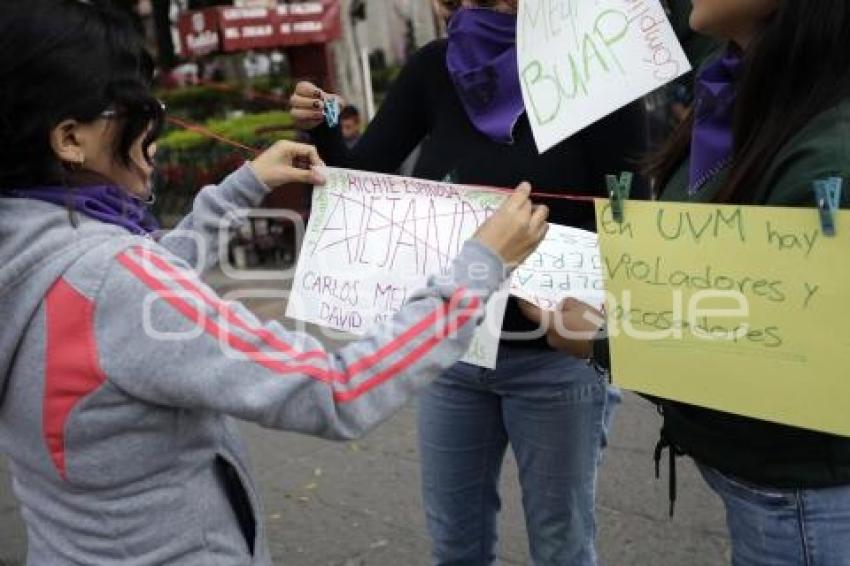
[736, 308]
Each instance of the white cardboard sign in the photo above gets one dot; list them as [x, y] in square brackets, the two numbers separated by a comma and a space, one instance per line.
[580, 60]
[566, 264]
[373, 240]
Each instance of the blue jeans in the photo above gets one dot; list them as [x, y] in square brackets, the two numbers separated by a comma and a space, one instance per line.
[554, 412]
[784, 527]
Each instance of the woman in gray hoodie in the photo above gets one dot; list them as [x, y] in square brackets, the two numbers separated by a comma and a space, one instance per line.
[120, 437]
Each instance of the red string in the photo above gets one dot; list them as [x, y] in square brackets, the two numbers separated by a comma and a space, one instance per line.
[206, 132]
[552, 196]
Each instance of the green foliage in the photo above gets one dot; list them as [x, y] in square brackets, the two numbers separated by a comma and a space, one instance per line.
[204, 101]
[200, 102]
[187, 161]
[254, 130]
[271, 84]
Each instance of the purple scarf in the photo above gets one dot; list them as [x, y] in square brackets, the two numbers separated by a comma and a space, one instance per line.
[481, 59]
[711, 141]
[106, 203]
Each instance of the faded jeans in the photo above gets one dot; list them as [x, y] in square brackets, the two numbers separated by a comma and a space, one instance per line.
[554, 412]
[784, 527]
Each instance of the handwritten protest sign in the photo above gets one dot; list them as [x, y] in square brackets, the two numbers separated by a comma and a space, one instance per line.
[580, 60]
[373, 240]
[566, 264]
[740, 309]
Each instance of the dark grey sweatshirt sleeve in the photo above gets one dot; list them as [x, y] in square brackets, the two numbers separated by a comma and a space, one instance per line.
[164, 337]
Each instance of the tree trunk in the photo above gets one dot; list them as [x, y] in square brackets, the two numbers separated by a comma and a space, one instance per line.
[162, 28]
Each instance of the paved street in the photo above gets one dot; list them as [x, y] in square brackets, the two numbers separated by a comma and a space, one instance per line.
[355, 504]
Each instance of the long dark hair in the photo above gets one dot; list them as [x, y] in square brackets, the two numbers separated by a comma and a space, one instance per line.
[797, 67]
[68, 59]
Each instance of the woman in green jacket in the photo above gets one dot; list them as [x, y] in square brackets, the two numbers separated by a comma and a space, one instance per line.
[772, 116]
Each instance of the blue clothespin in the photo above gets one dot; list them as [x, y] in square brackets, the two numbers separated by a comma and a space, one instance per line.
[331, 110]
[618, 192]
[828, 198]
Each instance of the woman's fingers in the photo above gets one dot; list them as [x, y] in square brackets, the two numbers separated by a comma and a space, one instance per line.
[578, 319]
[289, 162]
[509, 231]
[583, 316]
[540, 231]
[538, 225]
[299, 101]
[533, 313]
[519, 197]
[308, 90]
[318, 177]
[306, 159]
[306, 105]
[302, 152]
[297, 175]
[539, 215]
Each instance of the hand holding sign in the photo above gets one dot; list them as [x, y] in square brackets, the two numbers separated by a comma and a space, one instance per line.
[307, 103]
[516, 228]
[570, 328]
[288, 162]
[374, 239]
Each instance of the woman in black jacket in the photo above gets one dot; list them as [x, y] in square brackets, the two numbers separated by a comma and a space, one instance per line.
[460, 99]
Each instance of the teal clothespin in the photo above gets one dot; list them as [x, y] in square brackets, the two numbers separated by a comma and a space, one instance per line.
[618, 192]
[331, 110]
[828, 198]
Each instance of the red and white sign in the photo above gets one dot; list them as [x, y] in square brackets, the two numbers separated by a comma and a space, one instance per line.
[227, 29]
[198, 33]
[255, 3]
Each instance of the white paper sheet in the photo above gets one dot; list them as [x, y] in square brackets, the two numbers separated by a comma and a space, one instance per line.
[580, 60]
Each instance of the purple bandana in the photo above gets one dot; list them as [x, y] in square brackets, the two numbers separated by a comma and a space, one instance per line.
[711, 141]
[106, 203]
[481, 59]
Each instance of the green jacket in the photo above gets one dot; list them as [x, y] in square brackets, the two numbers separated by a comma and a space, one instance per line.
[757, 451]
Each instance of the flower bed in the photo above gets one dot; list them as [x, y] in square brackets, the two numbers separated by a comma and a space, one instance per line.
[187, 161]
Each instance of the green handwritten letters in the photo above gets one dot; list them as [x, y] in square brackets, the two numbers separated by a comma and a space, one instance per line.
[579, 60]
[740, 309]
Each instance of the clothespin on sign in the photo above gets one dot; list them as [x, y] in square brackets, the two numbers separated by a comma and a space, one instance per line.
[618, 192]
[331, 110]
[828, 198]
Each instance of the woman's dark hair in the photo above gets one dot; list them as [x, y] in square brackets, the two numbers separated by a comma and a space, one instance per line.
[68, 59]
[797, 67]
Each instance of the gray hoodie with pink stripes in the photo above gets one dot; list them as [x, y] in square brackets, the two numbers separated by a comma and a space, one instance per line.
[121, 373]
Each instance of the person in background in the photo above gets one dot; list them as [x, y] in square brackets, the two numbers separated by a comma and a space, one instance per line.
[351, 125]
[771, 117]
[461, 99]
[120, 371]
